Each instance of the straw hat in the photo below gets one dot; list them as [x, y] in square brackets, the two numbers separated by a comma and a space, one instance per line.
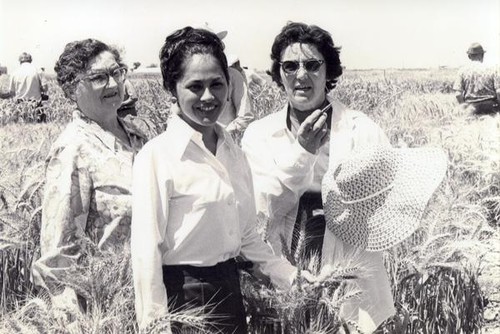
[375, 199]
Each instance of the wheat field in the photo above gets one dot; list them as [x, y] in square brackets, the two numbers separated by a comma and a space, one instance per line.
[445, 278]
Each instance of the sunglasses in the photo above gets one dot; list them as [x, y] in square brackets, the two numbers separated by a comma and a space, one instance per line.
[101, 79]
[310, 65]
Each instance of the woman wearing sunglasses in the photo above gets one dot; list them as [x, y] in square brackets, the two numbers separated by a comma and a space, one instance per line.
[89, 169]
[289, 152]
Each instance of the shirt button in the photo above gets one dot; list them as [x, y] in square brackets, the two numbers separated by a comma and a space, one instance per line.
[230, 201]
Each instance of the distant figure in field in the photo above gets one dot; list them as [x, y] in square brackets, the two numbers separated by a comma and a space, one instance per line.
[26, 83]
[129, 100]
[478, 85]
[250, 75]
[238, 112]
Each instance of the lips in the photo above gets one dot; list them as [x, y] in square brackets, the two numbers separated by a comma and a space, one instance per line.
[207, 108]
[302, 88]
[110, 95]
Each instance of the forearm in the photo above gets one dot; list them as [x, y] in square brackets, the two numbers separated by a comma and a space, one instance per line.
[280, 271]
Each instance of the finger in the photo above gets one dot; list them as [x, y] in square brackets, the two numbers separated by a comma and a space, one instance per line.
[311, 119]
[325, 137]
[320, 123]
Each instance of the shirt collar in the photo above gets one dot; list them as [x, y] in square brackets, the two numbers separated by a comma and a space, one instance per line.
[104, 136]
[182, 133]
[281, 116]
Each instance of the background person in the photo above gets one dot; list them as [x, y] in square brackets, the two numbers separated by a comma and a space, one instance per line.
[89, 168]
[251, 76]
[193, 207]
[27, 85]
[478, 86]
[129, 100]
[290, 151]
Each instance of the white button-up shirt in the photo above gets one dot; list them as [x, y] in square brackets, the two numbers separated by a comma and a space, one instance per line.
[192, 208]
[283, 171]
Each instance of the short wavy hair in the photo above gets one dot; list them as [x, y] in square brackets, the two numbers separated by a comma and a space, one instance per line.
[182, 44]
[25, 58]
[75, 60]
[298, 32]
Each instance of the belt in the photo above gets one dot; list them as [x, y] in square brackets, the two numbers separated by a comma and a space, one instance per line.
[220, 269]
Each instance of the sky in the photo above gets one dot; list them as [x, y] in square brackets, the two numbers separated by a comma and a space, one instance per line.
[372, 33]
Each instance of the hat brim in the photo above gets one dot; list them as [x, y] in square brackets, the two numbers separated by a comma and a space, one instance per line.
[390, 217]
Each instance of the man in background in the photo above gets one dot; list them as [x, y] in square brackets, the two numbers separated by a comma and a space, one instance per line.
[477, 85]
[250, 76]
[27, 86]
[26, 83]
[129, 100]
[238, 112]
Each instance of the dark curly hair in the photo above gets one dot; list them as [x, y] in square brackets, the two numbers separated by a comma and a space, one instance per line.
[182, 44]
[75, 59]
[298, 32]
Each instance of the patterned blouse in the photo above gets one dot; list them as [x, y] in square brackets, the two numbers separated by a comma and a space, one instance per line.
[87, 194]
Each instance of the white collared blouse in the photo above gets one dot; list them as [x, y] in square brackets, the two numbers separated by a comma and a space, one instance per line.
[283, 171]
[192, 208]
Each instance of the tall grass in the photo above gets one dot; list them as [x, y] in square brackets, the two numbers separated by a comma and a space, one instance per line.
[436, 275]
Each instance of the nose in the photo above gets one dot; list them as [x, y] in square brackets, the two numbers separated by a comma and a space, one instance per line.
[301, 72]
[112, 81]
[207, 95]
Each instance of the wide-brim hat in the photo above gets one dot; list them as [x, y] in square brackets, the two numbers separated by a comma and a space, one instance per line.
[376, 198]
[475, 49]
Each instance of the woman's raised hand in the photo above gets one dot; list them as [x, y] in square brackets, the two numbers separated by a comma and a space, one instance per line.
[312, 133]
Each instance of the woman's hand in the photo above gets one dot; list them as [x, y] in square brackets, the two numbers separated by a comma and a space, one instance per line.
[312, 133]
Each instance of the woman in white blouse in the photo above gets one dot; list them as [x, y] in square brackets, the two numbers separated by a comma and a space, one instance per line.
[193, 204]
[290, 151]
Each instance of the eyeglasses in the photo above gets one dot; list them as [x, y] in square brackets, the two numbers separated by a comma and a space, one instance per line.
[101, 79]
[310, 65]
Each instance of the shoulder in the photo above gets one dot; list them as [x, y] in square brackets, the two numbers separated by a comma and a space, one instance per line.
[70, 145]
[358, 120]
[268, 124]
[139, 126]
[157, 148]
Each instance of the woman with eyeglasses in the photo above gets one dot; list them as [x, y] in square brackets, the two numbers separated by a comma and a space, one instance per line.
[193, 204]
[87, 196]
[289, 152]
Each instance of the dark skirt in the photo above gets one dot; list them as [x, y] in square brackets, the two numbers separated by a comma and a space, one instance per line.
[215, 288]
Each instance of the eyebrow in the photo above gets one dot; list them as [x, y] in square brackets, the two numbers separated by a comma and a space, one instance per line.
[104, 70]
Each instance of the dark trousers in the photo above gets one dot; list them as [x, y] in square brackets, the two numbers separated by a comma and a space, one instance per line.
[484, 107]
[216, 288]
[310, 213]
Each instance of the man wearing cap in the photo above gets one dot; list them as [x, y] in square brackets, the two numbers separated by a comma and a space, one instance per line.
[477, 85]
